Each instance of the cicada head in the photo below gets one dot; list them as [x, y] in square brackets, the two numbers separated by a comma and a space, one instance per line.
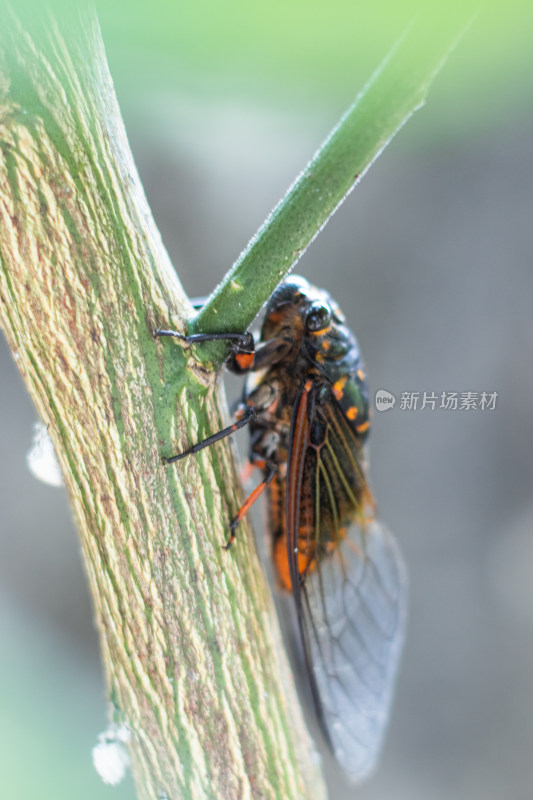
[299, 310]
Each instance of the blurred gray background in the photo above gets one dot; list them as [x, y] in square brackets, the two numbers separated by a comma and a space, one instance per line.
[430, 259]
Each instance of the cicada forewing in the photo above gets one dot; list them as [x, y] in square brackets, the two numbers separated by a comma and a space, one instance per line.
[348, 582]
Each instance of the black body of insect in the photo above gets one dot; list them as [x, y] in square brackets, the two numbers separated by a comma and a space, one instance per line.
[306, 404]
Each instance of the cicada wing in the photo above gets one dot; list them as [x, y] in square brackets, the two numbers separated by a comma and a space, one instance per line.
[351, 601]
[352, 618]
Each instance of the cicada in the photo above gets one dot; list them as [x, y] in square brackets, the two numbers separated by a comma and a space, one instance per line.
[306, 403]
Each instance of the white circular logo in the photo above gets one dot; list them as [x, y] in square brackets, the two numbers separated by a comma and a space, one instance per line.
[384, 400]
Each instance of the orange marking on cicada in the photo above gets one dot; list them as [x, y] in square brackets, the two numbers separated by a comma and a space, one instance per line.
[322, 332]
[352, 413]
[364, 426]
[244, 360]
[306, 563]
[338, 387]
[282, 564]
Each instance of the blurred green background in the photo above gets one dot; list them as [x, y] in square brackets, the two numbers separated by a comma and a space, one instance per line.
[430, 258]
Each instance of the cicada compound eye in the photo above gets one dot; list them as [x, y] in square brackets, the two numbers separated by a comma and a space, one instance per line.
[317, 318]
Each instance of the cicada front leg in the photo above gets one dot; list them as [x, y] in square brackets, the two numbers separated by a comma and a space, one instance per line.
[241, 355]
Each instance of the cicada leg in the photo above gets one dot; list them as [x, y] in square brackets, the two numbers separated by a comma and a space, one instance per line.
[270, 469]
[248, 414]
[241, 357]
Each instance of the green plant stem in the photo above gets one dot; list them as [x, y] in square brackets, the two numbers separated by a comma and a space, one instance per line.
[395, 91]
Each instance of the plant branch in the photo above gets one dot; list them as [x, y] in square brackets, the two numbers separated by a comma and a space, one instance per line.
[190, 642]
[395, 91]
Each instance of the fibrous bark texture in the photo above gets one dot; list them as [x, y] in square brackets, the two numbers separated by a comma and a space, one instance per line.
[189, 639]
